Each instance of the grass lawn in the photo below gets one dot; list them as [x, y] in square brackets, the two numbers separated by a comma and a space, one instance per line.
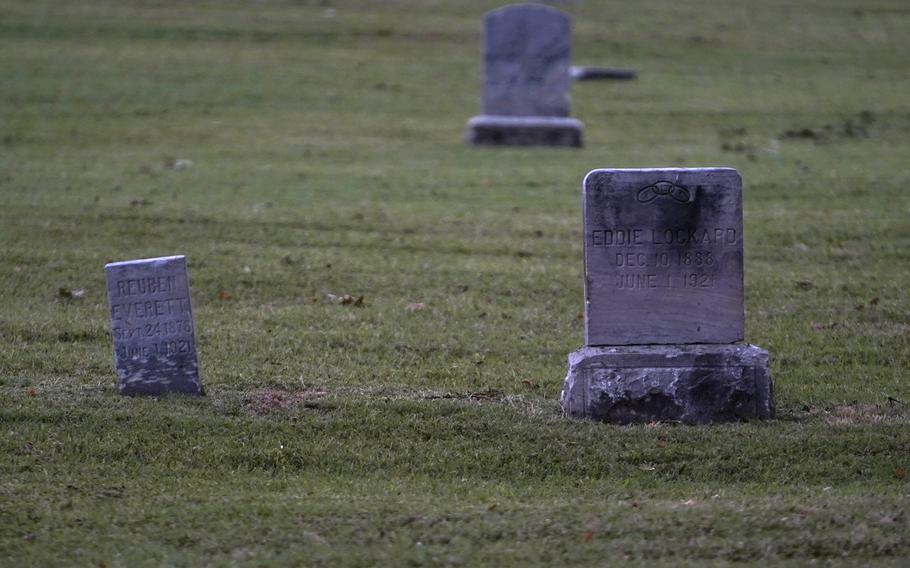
[327, 158]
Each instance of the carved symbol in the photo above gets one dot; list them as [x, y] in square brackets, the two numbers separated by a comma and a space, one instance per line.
[664, 188]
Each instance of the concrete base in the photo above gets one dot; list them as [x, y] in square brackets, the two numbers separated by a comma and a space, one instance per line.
[524, 131]
[698, 383]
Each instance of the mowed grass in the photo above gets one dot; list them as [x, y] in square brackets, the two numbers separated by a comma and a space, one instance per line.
[325, 140]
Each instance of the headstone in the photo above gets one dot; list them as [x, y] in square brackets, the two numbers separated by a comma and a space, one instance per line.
[663, 256]
[152, 326]
[526, 79]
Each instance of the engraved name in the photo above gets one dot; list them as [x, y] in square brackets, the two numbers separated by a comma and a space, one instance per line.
[150, 309]
[677, 236]
[150, 285]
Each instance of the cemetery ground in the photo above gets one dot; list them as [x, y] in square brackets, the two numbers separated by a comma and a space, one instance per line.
[383, 313]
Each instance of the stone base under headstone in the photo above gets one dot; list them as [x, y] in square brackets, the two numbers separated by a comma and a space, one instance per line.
[697, 383]
[493, 130]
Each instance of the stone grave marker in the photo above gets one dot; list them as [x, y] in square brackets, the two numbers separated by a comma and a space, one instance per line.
[663, 257]
[152, 326]
[526, 79]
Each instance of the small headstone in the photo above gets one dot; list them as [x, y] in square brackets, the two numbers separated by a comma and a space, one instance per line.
[663, 256]
[526, 79]
[152, 326]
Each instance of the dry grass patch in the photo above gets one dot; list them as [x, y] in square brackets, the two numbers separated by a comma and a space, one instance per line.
[273, 400]
[858, 414]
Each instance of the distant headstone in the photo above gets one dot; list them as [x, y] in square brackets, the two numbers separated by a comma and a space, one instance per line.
[152, 326]
[663, 256]
[526, 79]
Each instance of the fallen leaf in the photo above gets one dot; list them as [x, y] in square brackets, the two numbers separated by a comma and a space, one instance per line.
[873, 301]
[588, 536]
[529, 384]
[312, 300]
[224, 295]
[661, 444]
[900, 472]
[344, 300]
[805, 285]
[140, 202]
[31, 392]
[178, 163]
[580, 316]
[859, 307]
[415, 306]
[71, 293]
[807, 511]
[492, 507]
[821, 326]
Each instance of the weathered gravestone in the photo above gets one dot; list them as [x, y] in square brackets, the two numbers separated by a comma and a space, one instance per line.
[152, 326]
[526, 79]
[663, 255]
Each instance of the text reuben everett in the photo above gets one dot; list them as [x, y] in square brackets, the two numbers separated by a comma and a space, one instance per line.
[151, 317]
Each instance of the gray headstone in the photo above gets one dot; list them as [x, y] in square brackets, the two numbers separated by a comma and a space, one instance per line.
[152, 326]
[663, 252]
[526, 80]
[663, 256]
[526, 61]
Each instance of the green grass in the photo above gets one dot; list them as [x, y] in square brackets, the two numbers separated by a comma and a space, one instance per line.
[327, 159]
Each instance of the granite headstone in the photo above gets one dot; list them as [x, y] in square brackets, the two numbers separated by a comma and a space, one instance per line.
[663, 255]
[526, 79]
[152, 326]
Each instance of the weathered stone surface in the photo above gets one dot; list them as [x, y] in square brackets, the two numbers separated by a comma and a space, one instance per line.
[686, 383]
[525, 131]
[663, 256]
[152, 326]
[526, 61]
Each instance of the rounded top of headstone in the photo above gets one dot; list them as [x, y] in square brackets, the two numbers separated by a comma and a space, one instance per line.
[601, 173]
[527, 7]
